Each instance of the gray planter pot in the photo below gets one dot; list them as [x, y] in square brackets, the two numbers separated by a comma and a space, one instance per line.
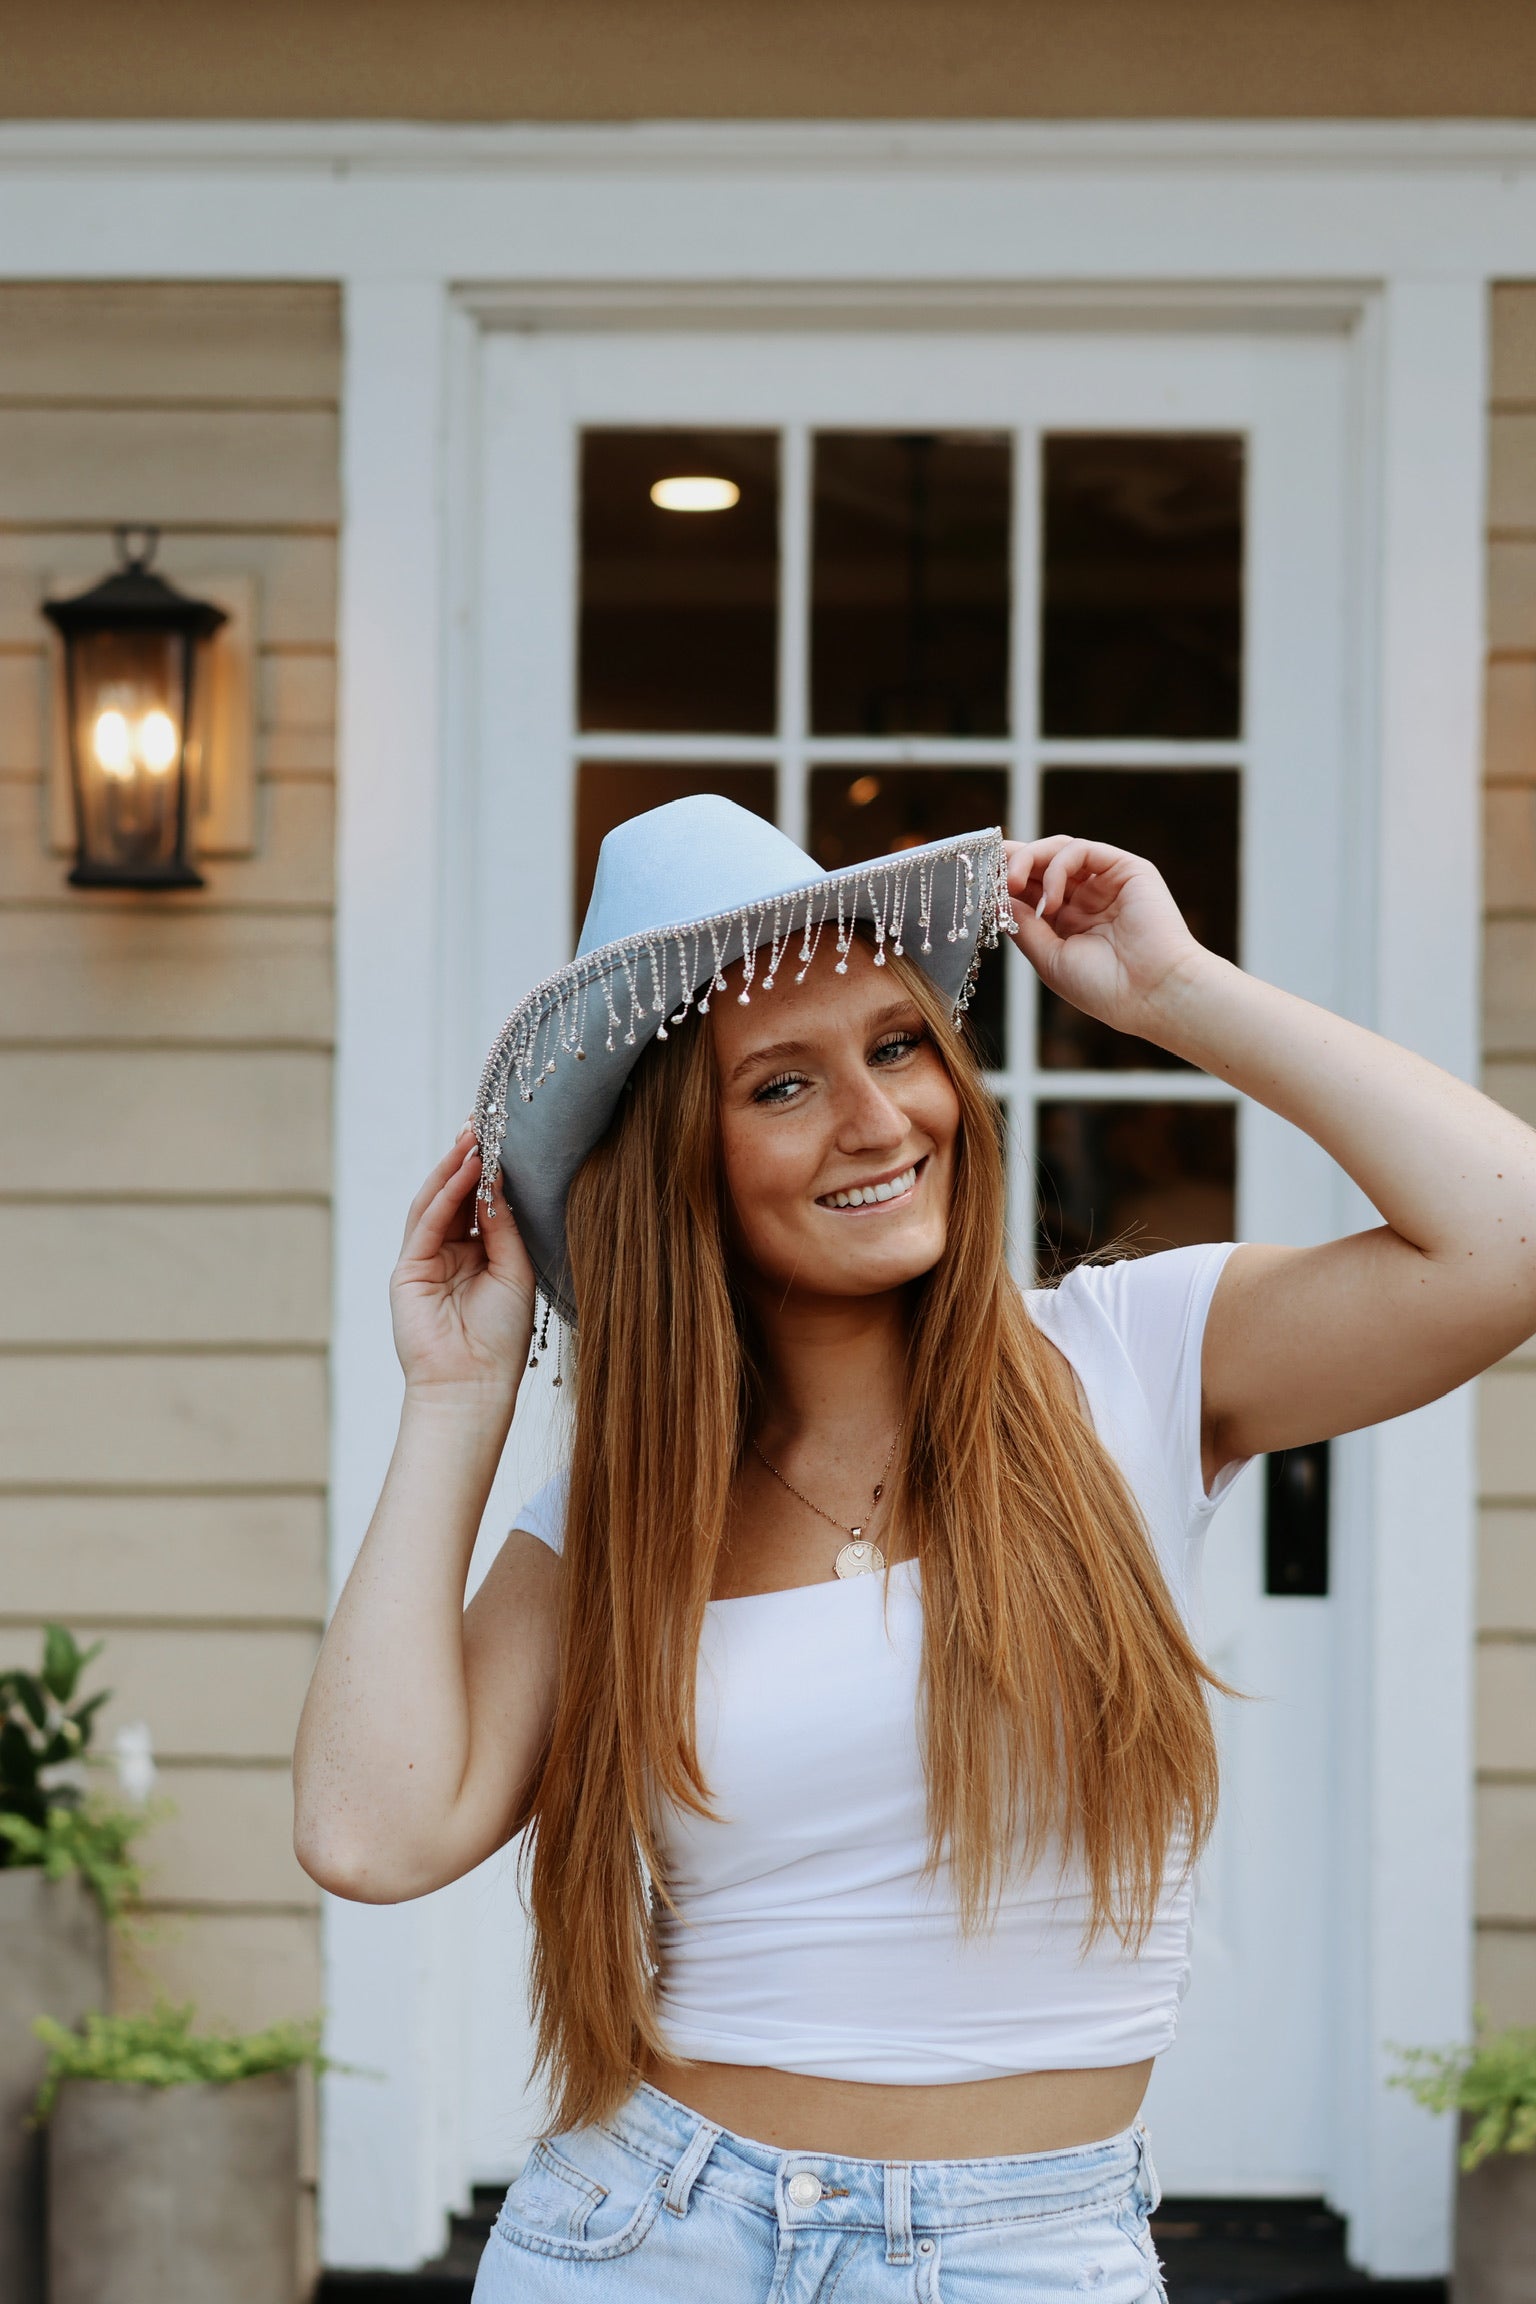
[182, 2195]
[1496, 2232]
[53, 1962]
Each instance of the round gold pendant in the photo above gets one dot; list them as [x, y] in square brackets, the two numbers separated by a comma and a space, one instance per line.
[860, 1558]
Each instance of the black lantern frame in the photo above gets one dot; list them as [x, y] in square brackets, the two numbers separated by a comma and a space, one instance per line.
[131, 669]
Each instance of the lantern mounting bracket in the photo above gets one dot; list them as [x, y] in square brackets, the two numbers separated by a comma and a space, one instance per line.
[135, 544]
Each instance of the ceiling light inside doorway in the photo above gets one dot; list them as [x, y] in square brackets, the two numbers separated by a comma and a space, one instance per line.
[695, 492]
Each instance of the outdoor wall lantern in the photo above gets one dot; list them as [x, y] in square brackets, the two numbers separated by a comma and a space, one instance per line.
[131, 667]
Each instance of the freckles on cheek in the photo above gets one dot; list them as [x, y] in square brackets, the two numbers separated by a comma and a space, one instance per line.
[768, 1183]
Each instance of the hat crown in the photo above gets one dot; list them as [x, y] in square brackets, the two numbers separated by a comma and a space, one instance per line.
[687, 860]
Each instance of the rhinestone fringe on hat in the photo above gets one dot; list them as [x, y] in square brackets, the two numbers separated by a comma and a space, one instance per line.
[942, 890]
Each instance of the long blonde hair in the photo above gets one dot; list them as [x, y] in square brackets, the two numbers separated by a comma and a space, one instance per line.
[1064, 1705]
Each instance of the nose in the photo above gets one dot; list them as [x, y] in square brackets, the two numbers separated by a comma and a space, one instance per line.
[869, 1118]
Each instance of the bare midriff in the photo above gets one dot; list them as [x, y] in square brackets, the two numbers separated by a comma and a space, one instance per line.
[868, 2120]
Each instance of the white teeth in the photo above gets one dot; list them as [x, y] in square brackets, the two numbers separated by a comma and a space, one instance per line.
[868, 1195]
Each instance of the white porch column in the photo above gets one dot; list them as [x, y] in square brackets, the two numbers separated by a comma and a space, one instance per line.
[1406, 1762]
[387, 2170]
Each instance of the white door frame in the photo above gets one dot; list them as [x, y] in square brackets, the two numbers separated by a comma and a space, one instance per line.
[1247, 2100]
[1396, 233]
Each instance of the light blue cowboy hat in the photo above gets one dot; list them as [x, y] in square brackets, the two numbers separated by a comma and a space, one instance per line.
[681, 892]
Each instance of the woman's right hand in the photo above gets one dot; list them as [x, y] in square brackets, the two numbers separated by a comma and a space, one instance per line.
[461, 1304]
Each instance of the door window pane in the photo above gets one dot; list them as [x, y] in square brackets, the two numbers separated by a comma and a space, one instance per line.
[857, 813]
[1133, 1176]
[679, 608]
[609, 792]
[1185, 820]
[909, 583]
[1142, 616]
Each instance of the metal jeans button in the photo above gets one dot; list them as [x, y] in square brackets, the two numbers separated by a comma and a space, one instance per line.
[804, 2189]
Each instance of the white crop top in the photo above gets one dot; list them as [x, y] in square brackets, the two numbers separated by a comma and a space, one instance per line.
[803, 1939]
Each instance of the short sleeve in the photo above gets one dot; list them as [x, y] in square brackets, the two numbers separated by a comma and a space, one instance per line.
[543, 1513]
[1156, 1307]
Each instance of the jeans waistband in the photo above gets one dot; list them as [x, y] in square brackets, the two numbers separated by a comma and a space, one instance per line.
[907, 2199]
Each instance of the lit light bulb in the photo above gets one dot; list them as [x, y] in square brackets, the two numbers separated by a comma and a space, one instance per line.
[158, 742]
[695, 492]
[109, 741]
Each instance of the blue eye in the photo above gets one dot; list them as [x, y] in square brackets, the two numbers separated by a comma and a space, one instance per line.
[783, 1087]
[776, 1091]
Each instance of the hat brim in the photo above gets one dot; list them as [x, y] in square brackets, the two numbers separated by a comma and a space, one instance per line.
[559, 1064]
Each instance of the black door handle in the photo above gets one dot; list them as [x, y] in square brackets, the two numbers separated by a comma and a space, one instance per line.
[1296, 1523]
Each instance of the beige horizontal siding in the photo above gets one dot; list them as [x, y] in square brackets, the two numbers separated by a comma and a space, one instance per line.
[1508, 1426]
[165, 1084]
[239, 1967]
[22, 675]
[170, 1274]
[296, 689]
[136, 340]
[293, 866]
[210, 1693]
[1506, 1662]
[1506, 1848]
[1513, 1082]
[1509, 720]
[1509, 986]
[1512, 345]
[1507, 1568]
[163, 1419]
[1506, 1707]
[1511, 592]
[126, 971]
[305, 752]
[1510, 834]
[1511, 469]
[210, 1121]
[68, 462]
[163, 1558]
[294, 569]
[227, 1840]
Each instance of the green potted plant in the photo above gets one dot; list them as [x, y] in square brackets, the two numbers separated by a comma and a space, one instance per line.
[1491, 2086]
[65, 1872]
[172, 2159]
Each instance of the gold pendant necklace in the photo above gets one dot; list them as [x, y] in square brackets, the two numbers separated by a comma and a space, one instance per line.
[861, 1555]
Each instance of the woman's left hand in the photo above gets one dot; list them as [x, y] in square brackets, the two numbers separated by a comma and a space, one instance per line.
[1099, 926]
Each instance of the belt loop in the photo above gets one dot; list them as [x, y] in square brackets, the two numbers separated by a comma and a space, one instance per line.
[898, 2212]
[678, 2185]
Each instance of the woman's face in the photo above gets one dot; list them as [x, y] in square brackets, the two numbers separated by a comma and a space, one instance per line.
[830, 1089]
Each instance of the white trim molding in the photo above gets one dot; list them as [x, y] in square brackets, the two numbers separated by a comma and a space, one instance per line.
[812, 200]
[1389, 233]
[739, 146]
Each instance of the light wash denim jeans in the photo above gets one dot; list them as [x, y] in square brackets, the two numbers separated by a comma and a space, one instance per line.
[660, 2206]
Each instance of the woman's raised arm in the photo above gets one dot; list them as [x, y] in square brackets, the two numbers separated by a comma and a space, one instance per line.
[423, 1724]
[1304, 1343]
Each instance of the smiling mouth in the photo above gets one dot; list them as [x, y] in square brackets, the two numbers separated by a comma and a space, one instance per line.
[879, 1194]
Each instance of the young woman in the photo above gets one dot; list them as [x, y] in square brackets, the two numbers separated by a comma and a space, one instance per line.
[860, 1900]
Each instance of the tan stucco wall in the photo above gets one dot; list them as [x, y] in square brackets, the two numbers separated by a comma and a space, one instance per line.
[1506, 1674]
[164, 1114]
[806, 59]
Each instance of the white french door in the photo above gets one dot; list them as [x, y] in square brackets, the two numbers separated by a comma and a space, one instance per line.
[1065, 580]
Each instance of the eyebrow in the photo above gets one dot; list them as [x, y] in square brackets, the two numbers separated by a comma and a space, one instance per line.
[776, 1050]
